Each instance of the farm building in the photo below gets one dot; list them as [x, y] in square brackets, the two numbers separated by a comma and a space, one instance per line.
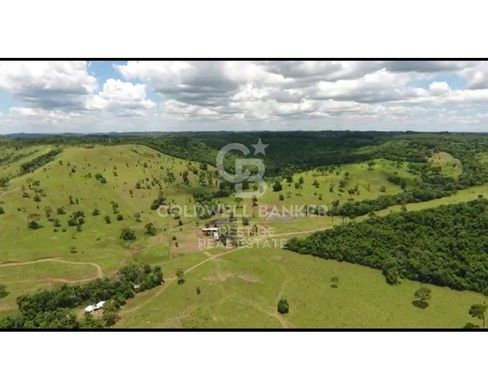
[211, 231]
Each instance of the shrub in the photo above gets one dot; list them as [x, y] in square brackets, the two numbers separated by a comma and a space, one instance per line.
[277, 186]
[421, 297]
[33, 225]
[150, 229]
[3, 291]
[128, 234]
[283, 306]
[180, 276]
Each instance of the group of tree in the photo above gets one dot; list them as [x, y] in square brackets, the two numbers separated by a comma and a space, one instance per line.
[158, 202]
[39, 161]
[446, 246]
[54, 308]
[478, 312]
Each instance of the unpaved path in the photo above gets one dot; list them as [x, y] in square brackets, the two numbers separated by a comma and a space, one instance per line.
[8, 192]
[168, 282]
[55, 260]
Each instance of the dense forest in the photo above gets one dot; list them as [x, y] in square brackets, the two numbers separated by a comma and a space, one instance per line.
[446, 246]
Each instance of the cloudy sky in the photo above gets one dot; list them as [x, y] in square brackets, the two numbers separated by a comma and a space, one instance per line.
[98, 96]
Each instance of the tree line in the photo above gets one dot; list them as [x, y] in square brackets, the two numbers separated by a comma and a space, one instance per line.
[53, 308]
[445, 246]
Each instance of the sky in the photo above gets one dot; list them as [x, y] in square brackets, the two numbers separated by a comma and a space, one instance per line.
[121, 96]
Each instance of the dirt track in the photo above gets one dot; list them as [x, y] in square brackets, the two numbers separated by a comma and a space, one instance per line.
[55, 260]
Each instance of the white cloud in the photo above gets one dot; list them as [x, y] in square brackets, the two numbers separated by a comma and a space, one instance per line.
[47, 84]
[121, 98]
[39, 115]
[234, 94]
[439, 88]
[477, 76]
[183, 109]
[379, 86]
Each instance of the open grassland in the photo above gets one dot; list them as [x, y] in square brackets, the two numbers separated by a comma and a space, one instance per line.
[131, 174]
[133, 177]
[12, 159]
[238, 288]
[21, 278]
[349, 182]
[449, 165]
[241, 289]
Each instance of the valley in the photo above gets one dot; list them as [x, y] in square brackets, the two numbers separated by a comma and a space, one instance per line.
[77, 210]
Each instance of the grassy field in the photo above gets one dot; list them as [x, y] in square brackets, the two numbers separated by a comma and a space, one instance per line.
[370, 181]
[21, 278]
[68, 182]
[449, 165]
[11, 167]
[241, 289]
[133, 176]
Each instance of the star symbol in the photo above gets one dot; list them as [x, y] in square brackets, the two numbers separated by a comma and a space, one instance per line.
[259, 148]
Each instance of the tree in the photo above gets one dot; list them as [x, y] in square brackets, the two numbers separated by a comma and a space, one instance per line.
[128, 234]
[150, 229]
[96, 212]
[110, 314]
[3, 291]
[277, 186]
[2, 211]
[478, 311]
[334, 281]
[159, 201]
[238, 200]
[391, 272]
[107, 219]
[33, 221]
[283, 306]
[422, 297]
[180, 276]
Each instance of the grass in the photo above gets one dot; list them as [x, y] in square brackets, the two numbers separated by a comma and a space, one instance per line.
[449, 165]
[370, 181]
[24, 278]
[242, 288]
[238, 288]
[11, 167]
[67, 177]
[71, 174]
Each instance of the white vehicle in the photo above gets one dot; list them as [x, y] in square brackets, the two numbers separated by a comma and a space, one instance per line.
[99, 305]
[90, 309]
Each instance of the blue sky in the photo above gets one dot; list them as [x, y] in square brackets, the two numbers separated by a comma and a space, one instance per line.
[106, 96]
[104, 70]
